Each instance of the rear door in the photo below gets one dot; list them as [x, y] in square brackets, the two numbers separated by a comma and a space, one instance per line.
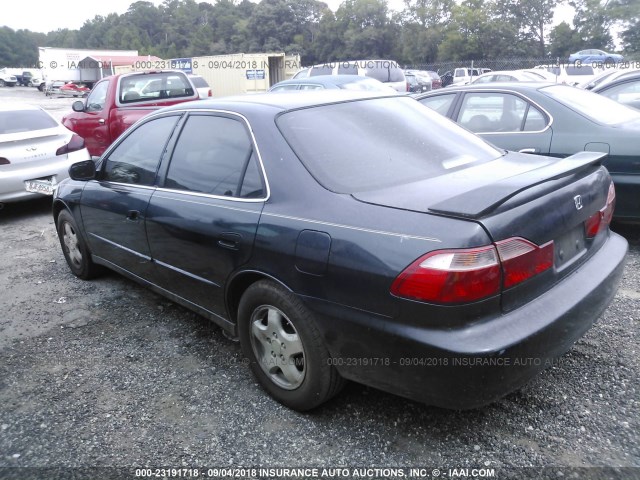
[114, 205]
[202, 223]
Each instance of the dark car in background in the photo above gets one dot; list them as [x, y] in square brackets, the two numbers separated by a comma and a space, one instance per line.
[555, 120]
[349, 235]
[417, 82]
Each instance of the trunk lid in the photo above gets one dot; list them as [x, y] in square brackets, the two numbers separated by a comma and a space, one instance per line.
[536, 198]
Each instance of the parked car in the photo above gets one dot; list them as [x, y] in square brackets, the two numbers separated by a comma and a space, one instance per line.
[332, 82]
[602, 77]
[71, 89]
[385, 71]
[7, 79]
[624, 89]
[418, 83]
[337, 245]
[36, 152]
[203, 88]
[436, 81]
[463, 76]
[507, 76]
[556, 120]
[117, 102]
[571, 74]
[593, 55]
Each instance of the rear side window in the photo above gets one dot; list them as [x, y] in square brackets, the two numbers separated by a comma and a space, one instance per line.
[439, 103]
[199, 82]
[390, 141]
[215, 155]
[25, 121]
[321, 70]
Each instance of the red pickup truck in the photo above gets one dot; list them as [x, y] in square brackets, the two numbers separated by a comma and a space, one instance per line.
[117, 102]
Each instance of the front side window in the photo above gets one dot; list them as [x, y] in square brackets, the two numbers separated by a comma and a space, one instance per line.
[215, 155]
[97, 97]
[135, 160]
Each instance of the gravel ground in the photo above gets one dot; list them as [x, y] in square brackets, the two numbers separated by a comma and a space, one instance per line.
[108, 374]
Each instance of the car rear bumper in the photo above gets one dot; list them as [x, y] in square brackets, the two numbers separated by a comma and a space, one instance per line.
[470, 367]
[12, 187]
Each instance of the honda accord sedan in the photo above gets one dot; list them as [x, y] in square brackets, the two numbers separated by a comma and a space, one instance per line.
[353, 236]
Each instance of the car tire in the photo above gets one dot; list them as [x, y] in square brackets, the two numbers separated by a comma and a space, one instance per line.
[271, 320]
[2, 84]
[74, 248]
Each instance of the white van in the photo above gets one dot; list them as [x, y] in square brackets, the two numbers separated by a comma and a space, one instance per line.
[388, 72]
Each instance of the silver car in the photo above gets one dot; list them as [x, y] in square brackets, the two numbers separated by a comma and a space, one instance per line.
[35, 152]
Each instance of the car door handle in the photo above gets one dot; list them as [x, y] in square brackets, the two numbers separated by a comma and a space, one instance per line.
[133, 215]
[529, 150]
[230, 240]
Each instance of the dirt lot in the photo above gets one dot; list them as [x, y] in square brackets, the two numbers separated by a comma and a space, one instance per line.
[108, 374]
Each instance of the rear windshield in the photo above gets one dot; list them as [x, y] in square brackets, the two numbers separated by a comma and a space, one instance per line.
[143, 87]
[596, 107]
[24, 121]
[376, 143]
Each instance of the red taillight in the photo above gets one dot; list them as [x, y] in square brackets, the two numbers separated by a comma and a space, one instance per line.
[522, 260]
[467, 275]
[210, 94]
[602, 218]
[76, 143]
[451, 276]
[408, 89]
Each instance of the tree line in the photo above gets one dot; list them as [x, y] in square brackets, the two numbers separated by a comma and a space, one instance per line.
[425, 31]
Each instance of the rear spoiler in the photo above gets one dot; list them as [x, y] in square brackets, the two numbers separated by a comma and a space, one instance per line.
[477, 203]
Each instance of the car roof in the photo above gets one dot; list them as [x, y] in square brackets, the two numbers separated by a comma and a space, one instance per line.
[281, 100]
[516, 86]
[325, 80]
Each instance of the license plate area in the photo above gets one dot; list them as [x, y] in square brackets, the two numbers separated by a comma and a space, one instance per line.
[45, 186]
[569, 247]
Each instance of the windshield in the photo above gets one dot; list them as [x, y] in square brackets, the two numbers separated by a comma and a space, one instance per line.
[377, 143]
[593, 106]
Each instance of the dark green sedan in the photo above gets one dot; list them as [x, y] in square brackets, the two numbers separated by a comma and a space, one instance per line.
[553, 120]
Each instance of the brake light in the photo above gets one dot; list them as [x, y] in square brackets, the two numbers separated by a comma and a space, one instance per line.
[408, 89]
[451, 276]
[602, 218]
[467, 275]
[522, 259]
[76, 143]
[209, 94]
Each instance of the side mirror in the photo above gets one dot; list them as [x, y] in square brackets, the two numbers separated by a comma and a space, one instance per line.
[85, 170]
[78, 106]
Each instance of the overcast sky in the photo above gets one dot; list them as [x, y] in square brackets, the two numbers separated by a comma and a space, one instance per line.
[49, 15]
